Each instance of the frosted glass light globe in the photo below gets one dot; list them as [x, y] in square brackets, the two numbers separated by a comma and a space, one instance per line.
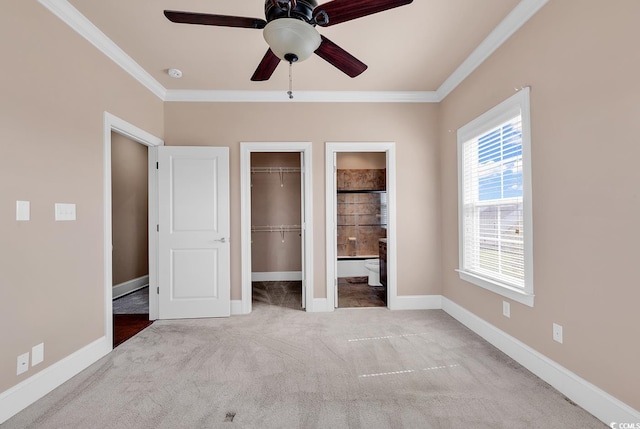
[292, 36]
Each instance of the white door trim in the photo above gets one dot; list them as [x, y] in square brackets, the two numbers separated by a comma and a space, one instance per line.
[331, 190]
[114, 124]
[245, 213]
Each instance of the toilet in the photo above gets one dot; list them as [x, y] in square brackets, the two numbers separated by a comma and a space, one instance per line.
[373, 266]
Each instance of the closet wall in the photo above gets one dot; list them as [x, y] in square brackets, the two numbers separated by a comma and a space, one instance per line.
[275, 216]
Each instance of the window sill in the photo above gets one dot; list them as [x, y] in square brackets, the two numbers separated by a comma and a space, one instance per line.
[510, 292]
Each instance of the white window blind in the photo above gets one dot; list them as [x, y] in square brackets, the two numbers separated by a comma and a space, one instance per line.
[496, 250]
[493, 204]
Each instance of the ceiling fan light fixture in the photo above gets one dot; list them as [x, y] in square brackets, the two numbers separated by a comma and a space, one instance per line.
[291, 38]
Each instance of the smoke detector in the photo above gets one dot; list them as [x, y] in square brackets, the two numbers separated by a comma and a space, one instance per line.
[174, 73]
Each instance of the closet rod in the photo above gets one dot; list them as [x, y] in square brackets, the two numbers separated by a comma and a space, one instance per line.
[276, 228]
[276, 170]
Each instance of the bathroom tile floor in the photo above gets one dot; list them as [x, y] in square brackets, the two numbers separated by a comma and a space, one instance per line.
[355, 292]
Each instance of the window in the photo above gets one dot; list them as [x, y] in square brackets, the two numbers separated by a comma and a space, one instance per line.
[495, 200]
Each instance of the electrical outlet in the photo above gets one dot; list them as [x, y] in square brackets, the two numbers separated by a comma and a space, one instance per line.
[557, 333]
[37, 354]
[506, 309]
[23, 363]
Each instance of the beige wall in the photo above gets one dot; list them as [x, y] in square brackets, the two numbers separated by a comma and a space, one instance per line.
[413, 127]
[54, 94]
[129, 208]
[276, 201]
[580, 58]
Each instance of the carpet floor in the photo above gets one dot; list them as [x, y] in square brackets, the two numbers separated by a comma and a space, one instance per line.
[284, 368]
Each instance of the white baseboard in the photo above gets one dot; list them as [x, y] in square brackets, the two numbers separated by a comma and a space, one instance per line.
[320, 306]
[20, 396]
[130, 286]
[236, 307]
[416, 302]
[593, 399]
[277, 276]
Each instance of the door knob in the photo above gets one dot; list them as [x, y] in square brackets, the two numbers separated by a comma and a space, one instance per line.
[221, 240]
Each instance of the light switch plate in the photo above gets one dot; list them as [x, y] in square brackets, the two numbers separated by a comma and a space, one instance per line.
[23, 210]
[65, 211]
[37, 354]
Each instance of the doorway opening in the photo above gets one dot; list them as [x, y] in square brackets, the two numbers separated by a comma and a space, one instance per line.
[114, 129]
[361, 229]
[276, 232]
[361, 225]
[130, 237]
[276, 226]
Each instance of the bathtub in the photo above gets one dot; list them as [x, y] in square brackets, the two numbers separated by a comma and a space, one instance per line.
[353, 266]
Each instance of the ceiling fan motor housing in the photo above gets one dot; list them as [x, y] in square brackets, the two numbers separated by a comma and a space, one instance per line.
[303, 10]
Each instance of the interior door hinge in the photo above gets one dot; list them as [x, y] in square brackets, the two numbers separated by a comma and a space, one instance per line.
[158, 290]
[158, 228]
[157, 165]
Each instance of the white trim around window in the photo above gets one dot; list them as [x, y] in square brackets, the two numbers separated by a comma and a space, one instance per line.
[494, 200]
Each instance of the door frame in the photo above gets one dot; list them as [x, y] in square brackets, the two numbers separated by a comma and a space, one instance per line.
[332, 148]
[117, 125]
[246, 149]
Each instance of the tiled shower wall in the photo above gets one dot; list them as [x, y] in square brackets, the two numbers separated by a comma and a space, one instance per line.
[361, 180]
[360, 219]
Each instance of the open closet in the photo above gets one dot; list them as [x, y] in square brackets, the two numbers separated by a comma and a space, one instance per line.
[276, 229]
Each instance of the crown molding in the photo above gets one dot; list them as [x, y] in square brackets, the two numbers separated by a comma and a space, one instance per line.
[302, 96]
[78, 22]
[503, 31]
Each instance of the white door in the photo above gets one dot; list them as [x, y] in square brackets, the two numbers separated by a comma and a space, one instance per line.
[194, 251]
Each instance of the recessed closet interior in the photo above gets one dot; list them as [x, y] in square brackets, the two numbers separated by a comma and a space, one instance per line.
[276, 229]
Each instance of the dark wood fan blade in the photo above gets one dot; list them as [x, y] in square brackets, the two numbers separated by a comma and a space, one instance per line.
[266, 67]
[338, 11]
[217, 20]
[340, 58]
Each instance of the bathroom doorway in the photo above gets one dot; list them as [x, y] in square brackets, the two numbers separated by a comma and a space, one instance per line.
[361, 214]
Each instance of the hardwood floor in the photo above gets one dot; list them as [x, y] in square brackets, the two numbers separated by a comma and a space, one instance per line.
[130, 315]
[126, 326]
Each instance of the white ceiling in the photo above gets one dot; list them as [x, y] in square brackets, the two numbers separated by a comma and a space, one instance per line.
[421, 47]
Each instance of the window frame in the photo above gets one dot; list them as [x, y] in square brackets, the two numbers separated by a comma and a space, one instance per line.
[518, 104]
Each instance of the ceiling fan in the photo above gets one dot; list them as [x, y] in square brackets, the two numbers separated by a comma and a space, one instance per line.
[289, 30]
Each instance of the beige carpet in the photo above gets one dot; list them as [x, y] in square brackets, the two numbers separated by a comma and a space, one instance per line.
[283, 368]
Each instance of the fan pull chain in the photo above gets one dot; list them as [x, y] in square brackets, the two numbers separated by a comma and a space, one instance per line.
[290, 92]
